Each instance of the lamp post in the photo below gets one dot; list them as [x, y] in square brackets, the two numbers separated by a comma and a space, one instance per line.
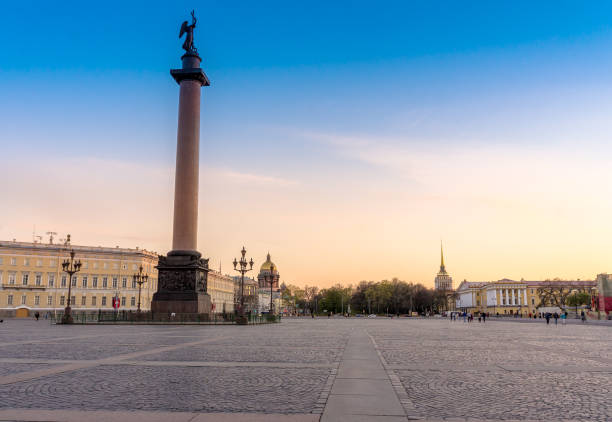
[575, 294]
[271, 280]
[71, 267]
[140, 279]
[242, 269]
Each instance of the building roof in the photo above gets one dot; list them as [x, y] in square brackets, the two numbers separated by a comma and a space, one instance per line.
[58, 247]
[268, 266]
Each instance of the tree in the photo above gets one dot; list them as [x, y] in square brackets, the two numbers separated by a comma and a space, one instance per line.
[580, 298]
[553, 293]
[310, 296]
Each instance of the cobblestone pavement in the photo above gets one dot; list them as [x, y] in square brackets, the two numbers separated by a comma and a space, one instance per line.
[439, 370]
[500, 371]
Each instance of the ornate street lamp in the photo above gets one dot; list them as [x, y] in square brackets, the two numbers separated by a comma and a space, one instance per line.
[140, 279]
[270, 278]
[71, 267]
[242, 267]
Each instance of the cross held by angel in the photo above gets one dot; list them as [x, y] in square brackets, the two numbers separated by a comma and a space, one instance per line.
[188, 30]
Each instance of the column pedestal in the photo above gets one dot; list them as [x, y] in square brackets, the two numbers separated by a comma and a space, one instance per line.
[182, 286]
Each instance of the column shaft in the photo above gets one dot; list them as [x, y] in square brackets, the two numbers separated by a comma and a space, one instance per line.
[185, 230]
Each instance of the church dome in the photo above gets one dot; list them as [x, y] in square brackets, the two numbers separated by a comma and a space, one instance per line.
[266, 266]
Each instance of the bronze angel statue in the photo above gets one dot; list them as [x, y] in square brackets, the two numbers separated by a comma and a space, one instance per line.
[188, 29]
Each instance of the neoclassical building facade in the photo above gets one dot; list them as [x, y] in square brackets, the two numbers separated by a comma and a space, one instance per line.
[511, 297]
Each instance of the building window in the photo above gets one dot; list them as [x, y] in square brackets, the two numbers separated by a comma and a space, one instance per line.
[133, 284]
[74, 280]
[36, 300]
[532, 301]
[62, 300]
[133, 301]
[23, 300]
[9, 300]
[95, 265]
[84, 282]
[93, 301]
[83, 301]
[124, 266]
[104, 282]
[105, 265]
[51, 280]
[26, 262]
[123, 301]
[63, 281]
[24, 279]
[1, 261]
[13, 261]
[11, 278]
[73, 300]
[49, 300]
[531, 291]
[85, 264]
[38, 279]
[124, 282]
[114, 282]
[134, 267]
[103, 300]
[39, 262]
[52, 262]
[115, 266]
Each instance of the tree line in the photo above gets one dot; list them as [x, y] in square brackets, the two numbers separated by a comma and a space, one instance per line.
[367, 297]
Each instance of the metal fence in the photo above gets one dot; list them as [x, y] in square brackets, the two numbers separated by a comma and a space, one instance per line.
[133, 317]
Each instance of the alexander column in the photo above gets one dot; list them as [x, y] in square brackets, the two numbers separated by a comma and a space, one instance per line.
[182, 279]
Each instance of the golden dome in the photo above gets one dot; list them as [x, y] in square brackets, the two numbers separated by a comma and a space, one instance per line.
[268, 265]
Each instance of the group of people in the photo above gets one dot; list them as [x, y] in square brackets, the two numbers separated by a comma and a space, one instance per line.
[563, 317]
[468, 316]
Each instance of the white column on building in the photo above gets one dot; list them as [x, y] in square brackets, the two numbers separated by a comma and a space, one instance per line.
[525, 297]
[514, 296]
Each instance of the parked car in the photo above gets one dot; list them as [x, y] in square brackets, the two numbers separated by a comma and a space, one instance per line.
[372, 316]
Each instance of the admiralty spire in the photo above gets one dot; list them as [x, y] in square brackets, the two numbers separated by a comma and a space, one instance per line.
[443, 280]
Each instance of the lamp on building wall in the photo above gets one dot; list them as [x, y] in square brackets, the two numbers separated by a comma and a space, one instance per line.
[71, 267]
[140, 279]
[242, 267]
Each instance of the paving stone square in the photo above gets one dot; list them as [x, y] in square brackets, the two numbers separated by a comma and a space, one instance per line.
[303, 369]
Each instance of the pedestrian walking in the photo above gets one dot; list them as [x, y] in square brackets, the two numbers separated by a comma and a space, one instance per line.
[563, 318]
[556, 316]
[547, 318]
[484, 317]
[583, 316]
[36, 315]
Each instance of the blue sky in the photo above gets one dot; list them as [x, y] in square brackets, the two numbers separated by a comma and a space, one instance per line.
[313, 100]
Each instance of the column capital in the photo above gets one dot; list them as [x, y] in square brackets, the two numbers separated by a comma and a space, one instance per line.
[194, 74]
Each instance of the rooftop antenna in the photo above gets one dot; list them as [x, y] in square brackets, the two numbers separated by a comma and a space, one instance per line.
[51, 234]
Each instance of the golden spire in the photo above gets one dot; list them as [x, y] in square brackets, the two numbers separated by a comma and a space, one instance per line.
[442, 268]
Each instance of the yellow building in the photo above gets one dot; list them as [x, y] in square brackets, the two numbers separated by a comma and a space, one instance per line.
[31, 278]
[510, 297]
[221, 289]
